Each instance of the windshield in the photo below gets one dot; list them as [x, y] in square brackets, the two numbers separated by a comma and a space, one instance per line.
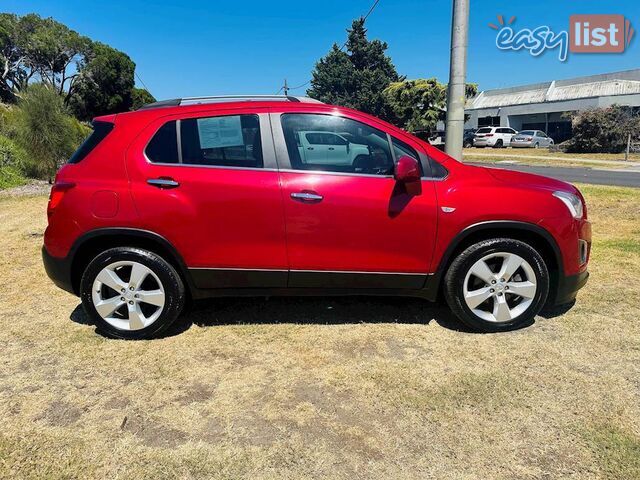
[484, 130]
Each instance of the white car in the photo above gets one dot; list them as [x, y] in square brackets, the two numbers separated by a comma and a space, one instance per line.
[496, 137]
[319, 148]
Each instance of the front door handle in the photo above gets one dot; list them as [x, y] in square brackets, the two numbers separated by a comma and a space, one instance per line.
[307, 197]
[163, 182]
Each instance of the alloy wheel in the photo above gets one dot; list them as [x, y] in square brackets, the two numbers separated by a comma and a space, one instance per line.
[128, 295]
[500, 287]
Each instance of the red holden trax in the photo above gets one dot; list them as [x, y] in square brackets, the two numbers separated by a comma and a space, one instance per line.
[229, 196]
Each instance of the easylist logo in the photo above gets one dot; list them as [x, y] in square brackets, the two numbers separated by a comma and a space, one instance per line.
[586, 34]
[600, 33]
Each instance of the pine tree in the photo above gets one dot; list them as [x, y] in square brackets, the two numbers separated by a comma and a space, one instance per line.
[356, 77]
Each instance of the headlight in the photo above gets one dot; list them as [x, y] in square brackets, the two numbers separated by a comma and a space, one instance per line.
[573, 203]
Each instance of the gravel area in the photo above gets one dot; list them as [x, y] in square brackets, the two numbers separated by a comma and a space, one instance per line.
[33, 188]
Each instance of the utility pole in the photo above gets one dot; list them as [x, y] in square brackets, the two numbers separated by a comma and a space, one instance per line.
[285, 88]
[457, 77]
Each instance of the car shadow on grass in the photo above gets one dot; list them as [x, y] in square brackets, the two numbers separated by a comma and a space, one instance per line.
[317, 311]
[306, 310]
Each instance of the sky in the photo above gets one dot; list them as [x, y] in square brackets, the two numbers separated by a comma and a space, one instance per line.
[190, 48]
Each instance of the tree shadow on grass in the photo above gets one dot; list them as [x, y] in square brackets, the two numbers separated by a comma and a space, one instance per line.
[306, 311]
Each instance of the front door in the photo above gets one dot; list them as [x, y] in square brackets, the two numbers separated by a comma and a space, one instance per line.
[205, 183]
[349, 224]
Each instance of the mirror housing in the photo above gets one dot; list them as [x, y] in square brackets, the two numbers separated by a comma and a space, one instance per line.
[407, 170]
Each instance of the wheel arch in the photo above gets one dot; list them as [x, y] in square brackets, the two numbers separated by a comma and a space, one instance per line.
[92, 243]
[529, 233]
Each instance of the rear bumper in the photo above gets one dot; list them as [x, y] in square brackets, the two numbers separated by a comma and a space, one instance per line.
[568, 287]
[58, 270]
[522, 144]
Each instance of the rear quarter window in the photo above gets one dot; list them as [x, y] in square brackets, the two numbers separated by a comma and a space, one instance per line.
[100, 132]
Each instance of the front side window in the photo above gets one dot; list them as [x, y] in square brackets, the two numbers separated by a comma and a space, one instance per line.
[401, 149]
[335, 144]
[231, 141]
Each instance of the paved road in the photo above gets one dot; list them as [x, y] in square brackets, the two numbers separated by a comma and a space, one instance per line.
[622, 178]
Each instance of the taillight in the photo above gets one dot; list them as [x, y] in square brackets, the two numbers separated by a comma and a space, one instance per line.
[57, 192]
[529, 139]
[489, 135]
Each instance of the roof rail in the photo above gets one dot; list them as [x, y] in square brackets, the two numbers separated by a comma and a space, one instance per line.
[226, 99]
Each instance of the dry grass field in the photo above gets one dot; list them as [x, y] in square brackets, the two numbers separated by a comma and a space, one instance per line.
[322, 388]
[547, 158]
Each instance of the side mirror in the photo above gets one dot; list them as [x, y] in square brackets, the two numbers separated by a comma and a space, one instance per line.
[407, 170]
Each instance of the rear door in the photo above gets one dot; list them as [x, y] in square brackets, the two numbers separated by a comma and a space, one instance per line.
[349, 224]
[207, 182]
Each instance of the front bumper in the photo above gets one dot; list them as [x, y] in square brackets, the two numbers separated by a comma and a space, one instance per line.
[568, 287]
[58, 270]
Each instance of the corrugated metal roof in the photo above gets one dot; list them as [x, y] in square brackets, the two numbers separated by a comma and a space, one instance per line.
[596, 89]
[612, 84]
[492, 100]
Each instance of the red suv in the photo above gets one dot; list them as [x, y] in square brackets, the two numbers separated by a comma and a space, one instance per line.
[221, 196]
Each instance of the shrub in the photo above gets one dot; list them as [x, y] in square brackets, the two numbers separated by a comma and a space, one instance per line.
[603, 130]
[45, 131]
[11, 177]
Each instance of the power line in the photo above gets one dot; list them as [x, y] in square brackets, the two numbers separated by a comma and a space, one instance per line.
[371, 9]
[143, 84]
[375, 4]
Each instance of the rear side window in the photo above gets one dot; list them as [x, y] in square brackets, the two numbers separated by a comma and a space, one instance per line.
[231, 141]
[100, 132]
[163, 147]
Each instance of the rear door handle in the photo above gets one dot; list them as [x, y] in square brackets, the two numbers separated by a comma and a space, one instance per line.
[163, 183]
[307, 197]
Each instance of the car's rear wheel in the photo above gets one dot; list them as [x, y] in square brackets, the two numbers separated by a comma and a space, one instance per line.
[497, 285]
[131, 293]
[499, 144]
[536, 145]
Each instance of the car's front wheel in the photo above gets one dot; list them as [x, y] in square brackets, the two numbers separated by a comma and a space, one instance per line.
[497, 285]
[131, 293]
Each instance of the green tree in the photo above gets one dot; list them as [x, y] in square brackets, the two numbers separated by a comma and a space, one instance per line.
[419, 104]
[356, 77]
[42, 48]
[13, 60]
[105, 83]
[140, 97]
[45, 131]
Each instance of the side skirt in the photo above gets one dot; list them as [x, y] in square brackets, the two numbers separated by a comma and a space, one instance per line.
[239, 282]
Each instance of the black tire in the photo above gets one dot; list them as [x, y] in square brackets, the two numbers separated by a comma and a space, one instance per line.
[498, 144]
[172, 284]
[456, 274]
[536, 145]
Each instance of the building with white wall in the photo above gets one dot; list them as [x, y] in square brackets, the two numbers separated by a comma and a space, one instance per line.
[547, 106]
